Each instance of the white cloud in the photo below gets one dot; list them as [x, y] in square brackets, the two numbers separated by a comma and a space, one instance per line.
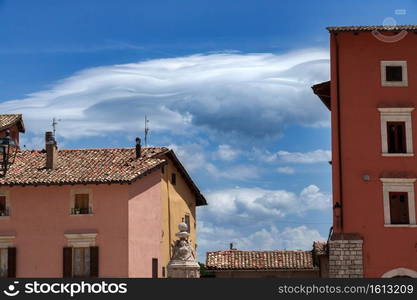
[246, 205]
[286, 170]
[226, 153]
[252, 95]
[194, 157]
[212, 238]
[290, 238]
[191, 155]
[311, 157]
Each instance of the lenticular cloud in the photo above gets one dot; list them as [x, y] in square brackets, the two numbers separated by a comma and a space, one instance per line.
[248, 95]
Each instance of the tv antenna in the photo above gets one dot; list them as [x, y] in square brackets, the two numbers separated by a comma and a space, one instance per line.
[54, 123]
[146, 130]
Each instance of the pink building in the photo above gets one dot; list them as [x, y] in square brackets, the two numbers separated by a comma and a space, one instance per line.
[371, 96]
[92, 212]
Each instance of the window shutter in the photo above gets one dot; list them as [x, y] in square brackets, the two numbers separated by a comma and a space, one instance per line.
[67, 262]
[94, 261]
[11, 262]
[399, 208]
[154, 268]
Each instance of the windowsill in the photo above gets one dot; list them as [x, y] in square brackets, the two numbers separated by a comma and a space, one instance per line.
[81, 214]
[401, 225]
[394, 84]
[398, 154]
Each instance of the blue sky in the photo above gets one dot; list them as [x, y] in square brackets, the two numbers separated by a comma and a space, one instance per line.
[224, 83]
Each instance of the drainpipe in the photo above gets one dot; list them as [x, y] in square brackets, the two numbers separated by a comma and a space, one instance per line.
[338, 206]
[169, 210]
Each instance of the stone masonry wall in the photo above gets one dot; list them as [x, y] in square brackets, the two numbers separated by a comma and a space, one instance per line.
[345, 259]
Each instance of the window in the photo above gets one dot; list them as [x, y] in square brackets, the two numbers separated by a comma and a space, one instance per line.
[174, 179]
[154, 268]
[3, 262]
[7, 257]
[8, 262]
[81, 262]
[81, 204]
[394, 73]
[80, 257]
[396, 137]
[187, 221]
[396, 131]
[4, 211]
[398, 203]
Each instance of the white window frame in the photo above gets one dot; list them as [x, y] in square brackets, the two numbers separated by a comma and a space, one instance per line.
[81, 191]
[394, 63]
[80, 240]
[7, 195]
[399, 185]
[396, 114]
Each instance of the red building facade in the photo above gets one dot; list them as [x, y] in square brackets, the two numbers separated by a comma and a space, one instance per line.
[372, 96]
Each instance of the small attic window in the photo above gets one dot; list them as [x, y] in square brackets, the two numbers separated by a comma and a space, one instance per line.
[394, 73]
[174, 179]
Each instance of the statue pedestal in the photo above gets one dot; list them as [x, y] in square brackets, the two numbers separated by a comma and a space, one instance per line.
[183, 262]
[183, 269]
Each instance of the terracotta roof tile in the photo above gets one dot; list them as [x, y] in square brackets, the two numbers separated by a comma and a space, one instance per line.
[8, 120]
[80, 166]
[372, 28]
[320, 248]
[260, 260]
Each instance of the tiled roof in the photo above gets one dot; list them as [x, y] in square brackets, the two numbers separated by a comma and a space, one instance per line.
[81, 166]
[8, 120]
[260, 260]
[372, 28]
[320, 248]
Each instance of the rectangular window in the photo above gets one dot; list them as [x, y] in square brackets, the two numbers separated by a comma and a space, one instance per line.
[81, 204]
[187, 221]
[398, 202]
[396, 137]
[3, 206]
[174, 179]
[394, 73]
[4, 262]
[154, 268]
[81, 262]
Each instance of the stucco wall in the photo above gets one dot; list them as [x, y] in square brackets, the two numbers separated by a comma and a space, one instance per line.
[145, 230]
[361, 94]
[40, 216]
[177, 200]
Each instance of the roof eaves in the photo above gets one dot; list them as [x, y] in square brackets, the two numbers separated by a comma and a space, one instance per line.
[200, 199]
[366, 28]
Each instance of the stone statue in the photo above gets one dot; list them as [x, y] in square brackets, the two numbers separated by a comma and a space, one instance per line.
[183, 262]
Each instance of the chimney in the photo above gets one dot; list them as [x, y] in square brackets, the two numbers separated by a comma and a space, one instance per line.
[138, 148]
[51, 150]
